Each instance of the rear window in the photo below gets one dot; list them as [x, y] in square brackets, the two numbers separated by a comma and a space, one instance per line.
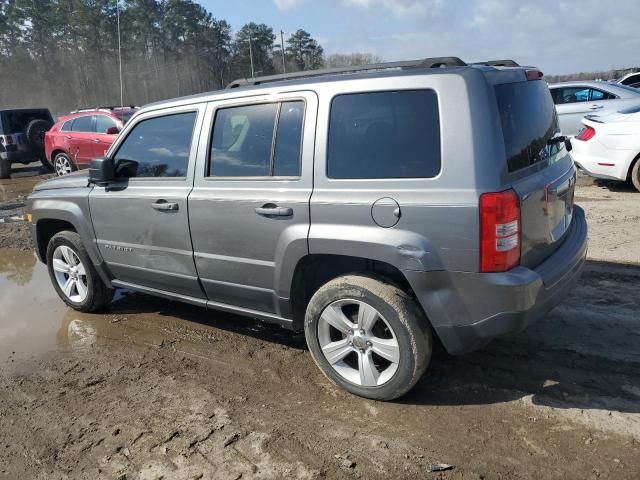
[384, 135]
[17, 121]
[528, 120]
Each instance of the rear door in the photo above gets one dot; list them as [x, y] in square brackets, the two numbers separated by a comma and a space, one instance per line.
[80, 140]
[141, 220]
[249, 210]
[541, 171]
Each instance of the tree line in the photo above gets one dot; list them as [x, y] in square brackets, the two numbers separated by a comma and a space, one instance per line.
[599, 75]
[63, 54]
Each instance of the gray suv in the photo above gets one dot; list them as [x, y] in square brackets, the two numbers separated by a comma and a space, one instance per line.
[374, 208]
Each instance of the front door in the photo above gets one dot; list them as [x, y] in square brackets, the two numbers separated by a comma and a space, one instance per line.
[103, 140]
[249, 210]
[141, 220]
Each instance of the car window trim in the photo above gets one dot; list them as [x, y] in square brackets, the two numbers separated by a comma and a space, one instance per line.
[157, 114]
[252, 101]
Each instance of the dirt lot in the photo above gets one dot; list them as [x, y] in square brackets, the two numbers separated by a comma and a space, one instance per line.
[154, 389]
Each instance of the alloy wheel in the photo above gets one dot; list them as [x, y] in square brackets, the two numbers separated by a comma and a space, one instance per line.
[62, 165]
[70, 274]
[358, 342]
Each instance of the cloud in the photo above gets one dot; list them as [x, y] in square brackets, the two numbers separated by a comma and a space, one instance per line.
[402, 8]
[556, 35]
[288, 4]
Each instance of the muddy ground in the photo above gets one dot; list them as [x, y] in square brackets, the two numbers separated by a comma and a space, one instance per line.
[155, 389]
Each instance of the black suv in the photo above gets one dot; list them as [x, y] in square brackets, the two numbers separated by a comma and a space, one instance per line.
[22, 137]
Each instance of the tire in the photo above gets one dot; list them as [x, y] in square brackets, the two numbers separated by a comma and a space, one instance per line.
[35, 136]
[87, 292]
[5, 168]
[635, 175]
[63, 165]
[393, 324]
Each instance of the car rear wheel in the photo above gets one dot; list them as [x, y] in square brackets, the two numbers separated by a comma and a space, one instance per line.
[73, 275]
[63, 165]
[368, 336]
[635, 175]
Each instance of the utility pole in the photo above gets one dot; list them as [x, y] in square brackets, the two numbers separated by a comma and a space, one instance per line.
[119, 54]
[284, 66]
[251, 55]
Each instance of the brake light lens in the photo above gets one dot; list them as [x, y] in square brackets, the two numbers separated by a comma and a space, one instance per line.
[586, 133]
[533, 74]
[499, 231]
[8, 139]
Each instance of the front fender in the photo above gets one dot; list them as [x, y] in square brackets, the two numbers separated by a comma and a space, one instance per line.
[53, 206]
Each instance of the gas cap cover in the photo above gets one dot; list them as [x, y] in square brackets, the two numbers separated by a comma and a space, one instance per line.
[385, 212]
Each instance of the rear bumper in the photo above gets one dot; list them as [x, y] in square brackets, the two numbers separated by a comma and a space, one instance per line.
[467, 310]
[601, 162]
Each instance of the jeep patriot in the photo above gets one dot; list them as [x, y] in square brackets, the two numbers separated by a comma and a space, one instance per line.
[371, 207]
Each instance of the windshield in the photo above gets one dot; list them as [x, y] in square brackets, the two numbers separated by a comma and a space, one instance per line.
[528, 120]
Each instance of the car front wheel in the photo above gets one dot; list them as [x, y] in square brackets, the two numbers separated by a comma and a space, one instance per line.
[368, 337]
[73, 275]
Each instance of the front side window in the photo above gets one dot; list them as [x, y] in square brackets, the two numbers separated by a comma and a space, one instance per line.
[103, 123]
[392, 134]
[257, 140]
[157, 147]
[83, 124]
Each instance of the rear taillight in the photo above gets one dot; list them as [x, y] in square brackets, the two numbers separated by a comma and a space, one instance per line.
[499, 231]
[533, 74]
[586, 133]
[8, 139]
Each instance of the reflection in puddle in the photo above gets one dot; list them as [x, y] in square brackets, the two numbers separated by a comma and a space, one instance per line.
[33, 320]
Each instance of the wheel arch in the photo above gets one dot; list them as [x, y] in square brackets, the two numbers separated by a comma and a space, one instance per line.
[314, 270]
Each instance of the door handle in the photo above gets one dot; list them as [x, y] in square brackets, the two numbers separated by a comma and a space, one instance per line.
[96, 140]
[165, 206]
[595, 107]
[68, 137]
[271, 210]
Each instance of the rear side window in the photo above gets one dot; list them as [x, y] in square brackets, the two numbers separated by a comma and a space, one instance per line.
[66, 126]
[83, 124]
[157, 147]
[103, 123]
[600, 95]
[257, 140]
[528, 120]
[384, 135]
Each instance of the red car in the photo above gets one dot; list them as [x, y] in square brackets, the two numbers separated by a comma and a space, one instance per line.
[82, 135]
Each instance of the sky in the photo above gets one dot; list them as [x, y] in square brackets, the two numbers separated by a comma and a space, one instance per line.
[557, 36]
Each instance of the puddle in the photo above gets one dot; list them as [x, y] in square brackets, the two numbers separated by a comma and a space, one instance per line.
[33, 320]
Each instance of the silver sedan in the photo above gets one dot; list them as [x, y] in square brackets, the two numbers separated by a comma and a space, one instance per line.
[576, 99]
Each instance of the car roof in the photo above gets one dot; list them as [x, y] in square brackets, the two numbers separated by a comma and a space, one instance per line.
[310, 83]
[23, 109]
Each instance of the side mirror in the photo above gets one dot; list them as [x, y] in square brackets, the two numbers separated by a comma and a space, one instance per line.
[101, 171]
[112, 131]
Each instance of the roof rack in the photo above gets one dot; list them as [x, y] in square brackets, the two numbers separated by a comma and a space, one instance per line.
[104, 109]
[498, 63]
[436, 62]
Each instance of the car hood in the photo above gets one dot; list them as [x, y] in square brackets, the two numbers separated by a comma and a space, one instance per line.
[73, 180]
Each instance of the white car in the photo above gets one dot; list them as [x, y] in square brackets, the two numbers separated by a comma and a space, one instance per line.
[630, 79]
[609, 146]
[574, 100]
